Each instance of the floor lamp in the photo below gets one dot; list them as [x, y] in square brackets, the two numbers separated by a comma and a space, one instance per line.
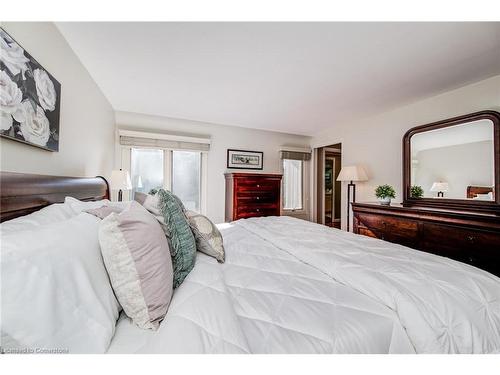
[351, 173]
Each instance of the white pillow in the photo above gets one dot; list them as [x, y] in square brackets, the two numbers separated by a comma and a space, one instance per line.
[50, 214]
[484, 197]
[55, 289]
[79, 206]
[54, 213]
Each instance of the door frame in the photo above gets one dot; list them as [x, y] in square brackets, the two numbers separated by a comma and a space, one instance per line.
[319, 191]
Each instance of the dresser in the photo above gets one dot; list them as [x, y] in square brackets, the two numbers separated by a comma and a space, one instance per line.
[469, 237]
[252, 195]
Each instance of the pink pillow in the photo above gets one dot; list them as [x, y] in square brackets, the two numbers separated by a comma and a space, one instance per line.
[137, 258]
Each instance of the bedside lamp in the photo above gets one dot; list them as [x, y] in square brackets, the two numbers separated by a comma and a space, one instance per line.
[440, 187]
[120, 180]
[351, 173]
[139, 183]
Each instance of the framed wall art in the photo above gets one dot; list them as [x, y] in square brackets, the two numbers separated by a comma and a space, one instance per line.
[242, 159]
[30, 100]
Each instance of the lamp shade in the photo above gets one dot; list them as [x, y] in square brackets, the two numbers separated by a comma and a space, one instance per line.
[352, 173]
[139, 182]
[120, 180]
[440, 186]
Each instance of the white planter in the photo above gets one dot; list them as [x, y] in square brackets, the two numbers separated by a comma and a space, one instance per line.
[385, 201]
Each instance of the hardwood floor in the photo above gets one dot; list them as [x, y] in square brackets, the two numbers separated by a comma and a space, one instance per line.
[333, 225]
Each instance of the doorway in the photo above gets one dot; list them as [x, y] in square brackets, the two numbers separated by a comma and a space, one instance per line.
[329, 165]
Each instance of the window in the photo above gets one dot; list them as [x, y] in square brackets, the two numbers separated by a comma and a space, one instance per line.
[186, 178]
[292, 184]
[146, 169]
[177, 171]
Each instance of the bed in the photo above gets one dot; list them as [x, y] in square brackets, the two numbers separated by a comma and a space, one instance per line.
[474, 191]
[291, 286]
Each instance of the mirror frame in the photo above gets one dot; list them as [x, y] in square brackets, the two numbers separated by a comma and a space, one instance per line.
[444, 203]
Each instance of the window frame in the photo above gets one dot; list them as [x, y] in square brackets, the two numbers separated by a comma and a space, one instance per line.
[289, 211]
[126, 163]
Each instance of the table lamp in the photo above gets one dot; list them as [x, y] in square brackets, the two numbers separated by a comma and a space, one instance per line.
[440, 187]
[120, 180]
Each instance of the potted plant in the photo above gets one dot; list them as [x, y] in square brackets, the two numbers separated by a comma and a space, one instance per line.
[384, 193]
[416, 191]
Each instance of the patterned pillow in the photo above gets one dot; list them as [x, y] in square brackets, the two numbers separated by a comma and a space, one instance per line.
[208, 238]
[151, 203]
[154, 193]
[182, 242]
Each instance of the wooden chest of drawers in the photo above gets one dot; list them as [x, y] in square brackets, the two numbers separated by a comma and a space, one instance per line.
[469, 237]
[252, 195]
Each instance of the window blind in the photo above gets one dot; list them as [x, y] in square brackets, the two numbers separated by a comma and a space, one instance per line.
[164, 141]
[295, 155]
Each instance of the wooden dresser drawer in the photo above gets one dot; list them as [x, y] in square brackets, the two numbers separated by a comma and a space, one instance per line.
[366, 232]
[256, 197]
[255, 211]
[404, 231]
[451, 236]
[476, 247]
[255, 184]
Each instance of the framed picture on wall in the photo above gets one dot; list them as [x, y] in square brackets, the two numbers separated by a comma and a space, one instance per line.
[31, 96]
[242, 159]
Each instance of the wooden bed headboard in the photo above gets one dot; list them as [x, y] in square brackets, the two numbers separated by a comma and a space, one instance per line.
[22, 194]
[472, 191]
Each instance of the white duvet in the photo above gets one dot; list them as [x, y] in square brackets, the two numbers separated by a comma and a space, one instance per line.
[290, 286]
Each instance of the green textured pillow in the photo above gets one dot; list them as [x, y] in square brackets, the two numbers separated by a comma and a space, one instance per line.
[182, 242]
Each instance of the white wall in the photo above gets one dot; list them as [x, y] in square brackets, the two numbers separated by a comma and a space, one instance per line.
[376, 142]
[86, 145]
[459, 165]
[222, 138]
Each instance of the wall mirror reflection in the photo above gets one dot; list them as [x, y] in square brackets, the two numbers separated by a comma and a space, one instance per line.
[455, 162]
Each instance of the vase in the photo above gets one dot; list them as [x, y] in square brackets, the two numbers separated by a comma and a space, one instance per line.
[385, 201]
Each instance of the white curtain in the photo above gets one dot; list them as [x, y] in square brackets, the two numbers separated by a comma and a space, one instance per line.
[292, 184]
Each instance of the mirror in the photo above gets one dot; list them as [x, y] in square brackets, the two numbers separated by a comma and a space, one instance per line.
[453, 162]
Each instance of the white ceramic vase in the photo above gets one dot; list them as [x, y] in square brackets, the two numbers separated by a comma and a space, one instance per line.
[385, 201]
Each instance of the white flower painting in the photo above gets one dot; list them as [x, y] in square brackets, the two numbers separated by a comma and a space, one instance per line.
[34, 124]
[45, 90]
[29, 97]
[10, 99]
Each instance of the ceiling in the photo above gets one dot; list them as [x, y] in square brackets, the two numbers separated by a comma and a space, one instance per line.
[290, 77]
[470, 132]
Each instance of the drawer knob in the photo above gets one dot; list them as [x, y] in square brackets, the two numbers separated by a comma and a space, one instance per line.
[258, 185]
[258, 210]
[471, 239]
[258, 198]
